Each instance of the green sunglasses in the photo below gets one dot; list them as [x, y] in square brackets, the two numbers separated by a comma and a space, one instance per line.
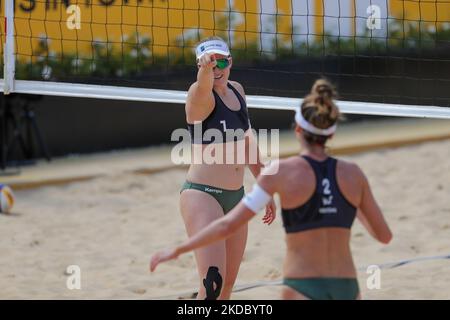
[223, 63]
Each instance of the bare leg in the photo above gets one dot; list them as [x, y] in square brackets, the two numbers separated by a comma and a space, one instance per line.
[235, 247]
[199, 209]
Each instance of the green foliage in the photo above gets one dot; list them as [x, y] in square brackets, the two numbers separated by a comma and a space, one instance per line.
[133, 56]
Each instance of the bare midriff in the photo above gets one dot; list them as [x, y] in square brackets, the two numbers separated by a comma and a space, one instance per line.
[218, 165]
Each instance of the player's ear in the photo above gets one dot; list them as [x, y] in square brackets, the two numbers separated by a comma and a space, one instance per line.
[298, 131]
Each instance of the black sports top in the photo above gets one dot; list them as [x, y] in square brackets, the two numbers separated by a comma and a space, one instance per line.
[327, 207]
[225, 121]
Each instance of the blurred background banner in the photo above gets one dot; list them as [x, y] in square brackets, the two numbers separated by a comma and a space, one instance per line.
[372, 45]
[383, 51]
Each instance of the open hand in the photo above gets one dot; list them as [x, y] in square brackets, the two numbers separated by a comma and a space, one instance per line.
[271, 212]
[162, 256]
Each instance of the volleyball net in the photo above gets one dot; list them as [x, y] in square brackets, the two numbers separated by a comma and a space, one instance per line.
[387, 57]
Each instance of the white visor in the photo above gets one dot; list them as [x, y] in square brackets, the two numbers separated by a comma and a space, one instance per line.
[305, 125]
[212, 46]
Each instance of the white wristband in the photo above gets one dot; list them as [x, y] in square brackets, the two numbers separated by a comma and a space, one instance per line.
[257, 199]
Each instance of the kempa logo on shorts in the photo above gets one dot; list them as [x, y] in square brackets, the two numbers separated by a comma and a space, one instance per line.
[213, 190]
[231, 147]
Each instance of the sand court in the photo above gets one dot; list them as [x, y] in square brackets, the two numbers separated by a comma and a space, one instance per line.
[109, 226]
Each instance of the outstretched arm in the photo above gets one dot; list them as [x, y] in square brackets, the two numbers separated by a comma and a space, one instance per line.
[200, 99]
[217, 230]
[224, 227]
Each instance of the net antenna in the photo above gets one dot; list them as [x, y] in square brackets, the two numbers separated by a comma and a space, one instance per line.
[8, 54]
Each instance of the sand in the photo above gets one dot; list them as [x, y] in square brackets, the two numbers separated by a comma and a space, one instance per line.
[110, 226]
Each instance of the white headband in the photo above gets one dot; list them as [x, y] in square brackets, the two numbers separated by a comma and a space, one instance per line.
[214, 46]
[312, 129]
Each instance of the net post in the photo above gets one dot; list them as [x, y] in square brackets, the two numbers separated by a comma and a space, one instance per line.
[8, 54]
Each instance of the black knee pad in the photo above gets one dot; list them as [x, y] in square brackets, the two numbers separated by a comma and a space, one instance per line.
[213, 276]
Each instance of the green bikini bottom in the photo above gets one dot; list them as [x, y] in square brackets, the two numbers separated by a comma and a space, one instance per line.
[325, 288]
[227, 199]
